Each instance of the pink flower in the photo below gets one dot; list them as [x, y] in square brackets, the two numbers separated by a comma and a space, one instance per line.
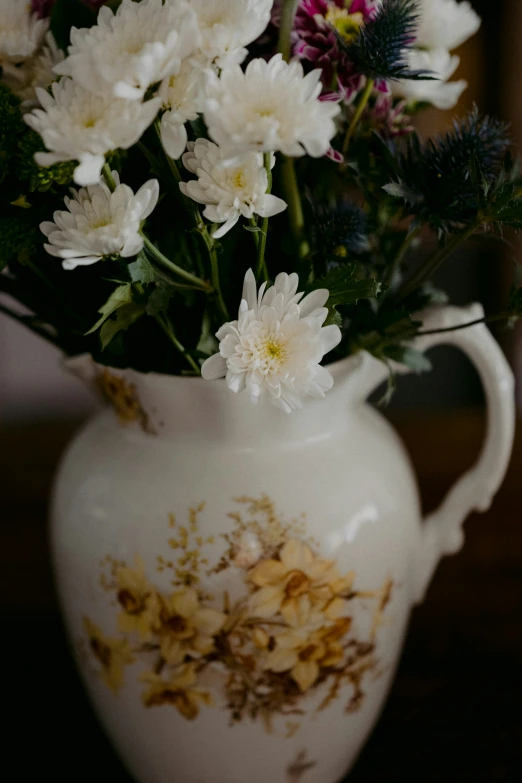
[315, 40]
[388, 117]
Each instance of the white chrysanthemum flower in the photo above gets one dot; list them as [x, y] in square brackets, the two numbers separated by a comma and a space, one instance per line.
[445, 24]
[21, 32]
[127, 52]
[271, 106]
[77, 125]
[275, 347]
[100, 223]
[228, 189]
[183, 98]
[228, 26]
[438, 91]
[37, 72]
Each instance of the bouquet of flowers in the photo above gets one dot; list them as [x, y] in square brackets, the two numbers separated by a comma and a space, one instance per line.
[235, 188]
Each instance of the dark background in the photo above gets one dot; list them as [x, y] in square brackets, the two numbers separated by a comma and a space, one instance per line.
[455, 713]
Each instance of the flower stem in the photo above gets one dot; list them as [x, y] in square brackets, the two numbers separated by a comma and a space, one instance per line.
[401, 253]
[165, 324]
[486, 320]
[109, 179]
[201, 228]
[295, 207]
[288, 13]
[214, 269]
[158, 255]
[365, 97]
[255, 233]
[428, 269]
[261, 248]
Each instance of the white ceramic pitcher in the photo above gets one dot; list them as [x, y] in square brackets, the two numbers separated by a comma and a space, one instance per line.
[236, 581]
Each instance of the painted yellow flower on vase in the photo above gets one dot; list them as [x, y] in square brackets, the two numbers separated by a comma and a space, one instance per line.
[187, 628]
[178, 690]
[296, 585]
[139, 601]
[304, 654]
[112, 655]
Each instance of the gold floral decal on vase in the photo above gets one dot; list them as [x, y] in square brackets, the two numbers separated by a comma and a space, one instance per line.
[289, 631]
[123, 397]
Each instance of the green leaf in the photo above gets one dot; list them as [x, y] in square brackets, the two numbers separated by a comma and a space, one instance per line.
[141, 270]
[159, 300]
[123, 295]
[334, 318]
[417, 361]
[121, 320]
[345, 288]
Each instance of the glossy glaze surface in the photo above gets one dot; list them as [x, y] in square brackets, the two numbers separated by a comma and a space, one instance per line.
[208, 493]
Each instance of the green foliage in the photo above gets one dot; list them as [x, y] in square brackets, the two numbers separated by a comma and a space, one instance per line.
[345, 289]
[380, 49]
[120, 311]
[11, 125]
[18, 240]
[28, 171]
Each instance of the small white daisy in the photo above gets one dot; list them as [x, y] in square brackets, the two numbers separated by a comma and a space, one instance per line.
[138, 46]
[228, 26]
[99, 223]
[75, 124]
[271, 106]
[21, 32]
[228, 190]
[275, 347]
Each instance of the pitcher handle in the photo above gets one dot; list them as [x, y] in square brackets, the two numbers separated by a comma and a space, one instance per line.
[442, 532]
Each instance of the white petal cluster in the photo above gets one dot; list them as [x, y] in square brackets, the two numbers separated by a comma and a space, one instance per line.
[100, 223]
[76, 124]
[439, 91]
[182, 98]
[275, 347]
[229, 190]
[271, 106]
[21, 32]
[444, 26]
[38, 72]
[126, 52]
[228, 26]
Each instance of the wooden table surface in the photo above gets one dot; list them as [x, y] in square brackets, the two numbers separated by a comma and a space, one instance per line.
[455, 711]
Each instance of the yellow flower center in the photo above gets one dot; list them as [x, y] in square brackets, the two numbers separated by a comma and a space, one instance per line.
[238, 180]
[274, 350]
[346, 24]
